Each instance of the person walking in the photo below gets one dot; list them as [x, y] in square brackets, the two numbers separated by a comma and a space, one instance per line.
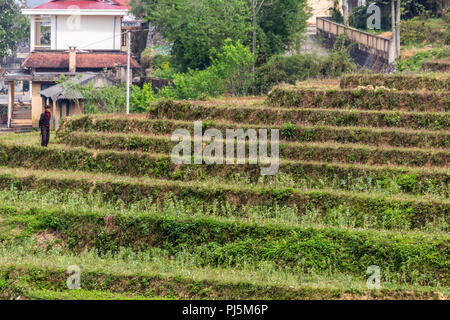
[44, 125]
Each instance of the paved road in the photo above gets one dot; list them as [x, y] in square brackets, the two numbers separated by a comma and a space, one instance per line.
[310, 44]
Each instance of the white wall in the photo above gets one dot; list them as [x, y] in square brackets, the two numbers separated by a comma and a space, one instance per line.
[320, 8]
[86, 32]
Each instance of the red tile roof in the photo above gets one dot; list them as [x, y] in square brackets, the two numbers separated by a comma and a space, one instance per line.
[85, 5]
[91, 60]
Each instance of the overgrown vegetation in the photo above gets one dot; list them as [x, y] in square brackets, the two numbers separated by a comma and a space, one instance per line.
[355, 187]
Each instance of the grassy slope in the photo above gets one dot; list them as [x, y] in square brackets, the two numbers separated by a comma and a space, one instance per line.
[165, 232]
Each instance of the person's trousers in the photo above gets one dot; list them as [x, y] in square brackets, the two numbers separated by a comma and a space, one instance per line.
[45, 136]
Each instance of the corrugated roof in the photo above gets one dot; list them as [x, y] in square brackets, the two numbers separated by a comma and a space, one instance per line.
[90, 60]
[62, 90]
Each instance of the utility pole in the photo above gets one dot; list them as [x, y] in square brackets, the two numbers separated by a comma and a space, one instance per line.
[398, 27]
[396, 16]
[345, 11]
[394, 30]
[128, 70]
[256, 7]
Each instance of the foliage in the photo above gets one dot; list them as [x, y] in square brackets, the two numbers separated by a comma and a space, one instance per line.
[198, 28]
[141, 98]
[335, 12]
[301, 67]
[419, 31]
[359, 16]
[230, 72]
[281, 24]
[109, 99]
[397, 81]
[416, 61]
[163, 69]
[14, 27]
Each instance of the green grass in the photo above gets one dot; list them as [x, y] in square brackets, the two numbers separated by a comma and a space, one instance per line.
[154, 275]
[432, 181]
[425, 81]
[305, 116]
[360, 98]
[317, 151]
[200, 248]
[364, 180]
[406, 211]
[369, 136]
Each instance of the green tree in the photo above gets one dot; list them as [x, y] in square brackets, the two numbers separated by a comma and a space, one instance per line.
[14, 27]
[198, 28]
[281, 23]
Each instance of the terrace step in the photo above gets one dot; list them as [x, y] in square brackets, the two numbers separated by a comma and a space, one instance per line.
[310, 151]
[359, 99]
[237, 198]
[314, 174]
[303, 116]
[222, 237]
[369, 136]
[411, 82]
[175, 284]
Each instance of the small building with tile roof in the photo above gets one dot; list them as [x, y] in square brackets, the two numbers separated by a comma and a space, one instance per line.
[71, 37]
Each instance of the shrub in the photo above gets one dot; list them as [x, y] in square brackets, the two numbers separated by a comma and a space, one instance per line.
[425, 31]
[416, 62]
[288, 131]
[230, 71]
[359, 16]
[141, 98]
[301, 67]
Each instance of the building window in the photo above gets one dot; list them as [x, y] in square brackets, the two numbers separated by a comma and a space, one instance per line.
[46, 85]
[43, 31]
[67, 109]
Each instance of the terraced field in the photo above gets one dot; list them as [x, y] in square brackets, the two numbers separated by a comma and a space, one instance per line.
[363, 180]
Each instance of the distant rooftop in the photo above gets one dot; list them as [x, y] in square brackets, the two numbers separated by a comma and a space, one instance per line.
[83, 5]
[84, 60]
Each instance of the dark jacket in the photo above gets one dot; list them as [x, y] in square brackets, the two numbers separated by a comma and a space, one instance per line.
[44, 121]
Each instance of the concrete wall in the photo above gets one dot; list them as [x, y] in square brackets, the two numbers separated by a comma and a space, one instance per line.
[86, 32]
[362, 55]
[83, 32]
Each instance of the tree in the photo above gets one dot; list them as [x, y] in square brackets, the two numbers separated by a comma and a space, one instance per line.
[345, 10]
[280, 24]
[256, 7]
[14, 27]
[395, 15]
[198, 28]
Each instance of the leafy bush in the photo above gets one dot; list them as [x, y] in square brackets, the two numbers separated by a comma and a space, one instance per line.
[140, 98]
[359, 16]
[288, 131]
[230, 71]
[425, 31]
[335, 12]
[301, 67]
[415, 62]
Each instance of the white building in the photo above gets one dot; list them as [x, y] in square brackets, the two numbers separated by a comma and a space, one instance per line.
[87, 25]
[69, 37]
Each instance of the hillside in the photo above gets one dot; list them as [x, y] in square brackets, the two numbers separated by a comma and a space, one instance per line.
[363, 180]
